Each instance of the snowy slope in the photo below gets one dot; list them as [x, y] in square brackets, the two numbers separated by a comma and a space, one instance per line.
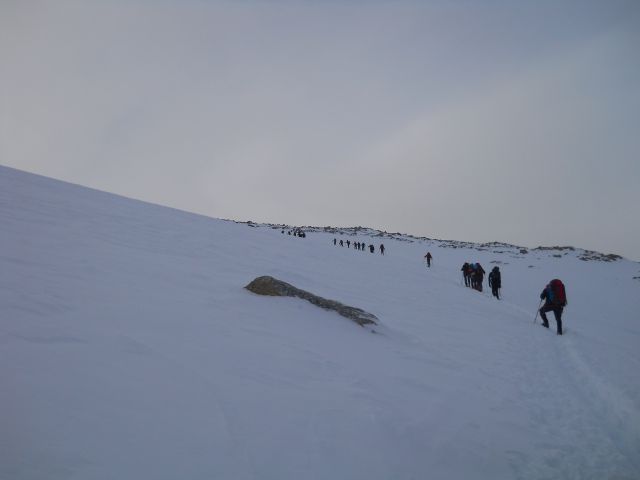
[129, 349]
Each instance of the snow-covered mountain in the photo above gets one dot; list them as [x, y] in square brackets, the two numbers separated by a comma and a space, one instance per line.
[129, 349]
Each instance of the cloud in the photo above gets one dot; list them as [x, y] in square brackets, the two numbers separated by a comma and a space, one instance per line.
[442, 120]
[526, 159]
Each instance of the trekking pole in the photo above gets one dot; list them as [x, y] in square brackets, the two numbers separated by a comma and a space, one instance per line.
[538, 311]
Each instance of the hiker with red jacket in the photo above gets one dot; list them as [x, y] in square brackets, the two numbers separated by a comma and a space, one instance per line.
[555, 298]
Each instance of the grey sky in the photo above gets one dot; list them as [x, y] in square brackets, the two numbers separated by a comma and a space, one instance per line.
[474, 120]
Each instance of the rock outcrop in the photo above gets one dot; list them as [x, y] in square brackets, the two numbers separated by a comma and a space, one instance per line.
[273, 287]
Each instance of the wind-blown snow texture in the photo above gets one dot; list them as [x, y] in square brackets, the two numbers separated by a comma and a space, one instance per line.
[129, 349]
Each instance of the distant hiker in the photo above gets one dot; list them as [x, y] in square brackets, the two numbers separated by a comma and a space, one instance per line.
[357, 245]
[466, 273]
[283, 232]
[348, 243]
[335, 241]
[478, 276]
[382, 249]
[495, 282]
[428, 257]
[341, 243]
[372, 248]
[555, 297]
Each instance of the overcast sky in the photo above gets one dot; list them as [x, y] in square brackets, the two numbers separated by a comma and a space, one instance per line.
[471, 120]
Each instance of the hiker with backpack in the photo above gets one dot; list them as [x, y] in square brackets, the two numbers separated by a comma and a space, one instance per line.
[555, 297]
[495, 282]
[472, 275]
[428, 256]
[477, 276]
[466, 273]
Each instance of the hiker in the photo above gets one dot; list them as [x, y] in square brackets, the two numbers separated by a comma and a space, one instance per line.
[495, 282]
[555, 298]
[478, 276]
[341, 243]
[428, 257]
[372, 248]
[335, 241]
[466, 273]
[348, 243]
[472, 275]
[382, 249]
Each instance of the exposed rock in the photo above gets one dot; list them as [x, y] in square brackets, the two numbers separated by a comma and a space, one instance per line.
[599, 257]
[273, 287]
[555, 248]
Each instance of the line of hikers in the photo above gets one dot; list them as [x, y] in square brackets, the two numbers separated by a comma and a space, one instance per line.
[554, 294]
[296, 233]
[358, 245]
[473, 275]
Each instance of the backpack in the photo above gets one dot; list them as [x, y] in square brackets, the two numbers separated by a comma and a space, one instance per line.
[557, 294]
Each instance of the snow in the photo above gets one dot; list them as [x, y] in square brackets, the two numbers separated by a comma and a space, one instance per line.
[130, 349]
